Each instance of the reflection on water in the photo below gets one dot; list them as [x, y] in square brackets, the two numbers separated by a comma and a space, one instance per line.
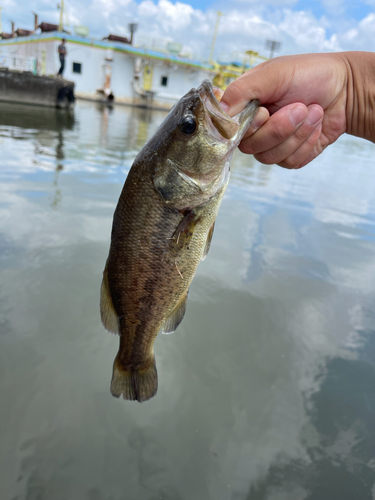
[266, 390]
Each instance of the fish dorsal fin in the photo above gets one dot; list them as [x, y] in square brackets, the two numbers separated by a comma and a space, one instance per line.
[175, 318]
[107, 311]
[208, 241]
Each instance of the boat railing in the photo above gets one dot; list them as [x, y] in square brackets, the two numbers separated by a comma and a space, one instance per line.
[18, 62]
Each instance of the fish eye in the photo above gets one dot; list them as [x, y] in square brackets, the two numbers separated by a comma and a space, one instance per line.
[188, 125]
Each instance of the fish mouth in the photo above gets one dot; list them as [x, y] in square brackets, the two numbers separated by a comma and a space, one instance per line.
[219, 123]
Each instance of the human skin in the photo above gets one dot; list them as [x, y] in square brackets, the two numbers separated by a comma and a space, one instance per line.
[308, 101]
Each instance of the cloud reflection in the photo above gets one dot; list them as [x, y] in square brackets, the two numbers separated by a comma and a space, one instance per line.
[266, 389]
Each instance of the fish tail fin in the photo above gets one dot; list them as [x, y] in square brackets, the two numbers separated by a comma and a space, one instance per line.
[135, 385]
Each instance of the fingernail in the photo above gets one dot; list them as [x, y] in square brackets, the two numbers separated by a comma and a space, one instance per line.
[314, 116]
[257, 122]
[297, 115]
[218, 93]
[224, 106]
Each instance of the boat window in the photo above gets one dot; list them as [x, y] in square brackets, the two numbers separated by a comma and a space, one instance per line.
[164, 81]
[77, 67]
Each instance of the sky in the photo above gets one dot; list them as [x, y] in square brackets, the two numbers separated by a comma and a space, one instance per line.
[300, 25]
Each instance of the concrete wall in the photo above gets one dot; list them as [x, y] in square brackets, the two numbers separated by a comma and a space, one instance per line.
[24, 87]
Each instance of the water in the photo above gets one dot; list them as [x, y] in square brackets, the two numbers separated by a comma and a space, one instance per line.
[266, 390]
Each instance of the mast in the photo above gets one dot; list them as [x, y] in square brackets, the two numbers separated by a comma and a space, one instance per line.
[211, 60]
[61, 15]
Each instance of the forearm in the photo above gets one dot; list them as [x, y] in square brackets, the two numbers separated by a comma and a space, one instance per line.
[360, 107]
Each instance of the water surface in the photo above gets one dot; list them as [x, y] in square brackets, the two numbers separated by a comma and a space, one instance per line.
[266, 390]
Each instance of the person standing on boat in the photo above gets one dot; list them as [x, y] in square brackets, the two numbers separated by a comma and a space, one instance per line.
[62, 54]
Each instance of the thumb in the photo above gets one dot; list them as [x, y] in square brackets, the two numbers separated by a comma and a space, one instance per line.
[265, 82]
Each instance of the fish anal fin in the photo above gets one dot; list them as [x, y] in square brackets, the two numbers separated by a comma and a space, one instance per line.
[176, 316]
[134, 384]
[108, 314]
[208, 241]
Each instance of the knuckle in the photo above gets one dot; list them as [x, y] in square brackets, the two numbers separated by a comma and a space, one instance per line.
[289, 163]
[267, 157]
[314, 153]
[314, 140]
[234, 92]
[247, 135]
[302, 132]
[245, 147]
[278, 133]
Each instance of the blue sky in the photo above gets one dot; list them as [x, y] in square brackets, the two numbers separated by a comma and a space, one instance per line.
[300, 25]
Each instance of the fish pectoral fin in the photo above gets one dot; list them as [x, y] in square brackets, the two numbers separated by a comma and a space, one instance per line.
[134, 384]
[108, 314]
[208, 241]
[186, 228]
[176, 316]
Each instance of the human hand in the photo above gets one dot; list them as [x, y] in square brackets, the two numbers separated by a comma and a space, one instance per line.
[304, 106]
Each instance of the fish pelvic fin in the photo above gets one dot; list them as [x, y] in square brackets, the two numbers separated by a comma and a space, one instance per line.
[176, 316]
[134, 384]
[208, 242]
[108, 314]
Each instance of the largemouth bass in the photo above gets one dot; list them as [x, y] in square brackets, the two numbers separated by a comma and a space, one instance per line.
[162, 229]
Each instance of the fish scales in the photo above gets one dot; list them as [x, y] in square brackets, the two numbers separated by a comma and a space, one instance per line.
[149, 266]
[161, 231]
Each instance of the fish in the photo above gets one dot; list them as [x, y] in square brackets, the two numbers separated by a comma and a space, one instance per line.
[162, 229]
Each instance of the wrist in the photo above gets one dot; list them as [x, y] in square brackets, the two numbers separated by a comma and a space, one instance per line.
[360, 106]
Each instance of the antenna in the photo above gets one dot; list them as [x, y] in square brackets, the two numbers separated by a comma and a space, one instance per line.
[35, 20]
[132, 28]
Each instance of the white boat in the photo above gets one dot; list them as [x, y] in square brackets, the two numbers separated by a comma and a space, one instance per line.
[108, 70]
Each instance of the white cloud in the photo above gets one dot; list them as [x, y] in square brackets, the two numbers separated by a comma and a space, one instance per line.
[169, 15]
[307, 33]
[148, 9]
[246, 24]
[351, 35]
[253, 25]
[360, 37]
[368, 23]
[278, 3]
[303, 28]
